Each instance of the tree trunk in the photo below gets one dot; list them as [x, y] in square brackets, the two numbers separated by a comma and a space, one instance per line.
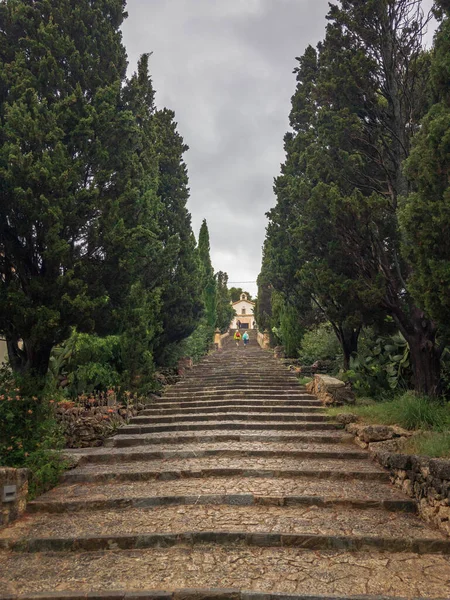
[32, 359]
[420, 333]
[349, 343]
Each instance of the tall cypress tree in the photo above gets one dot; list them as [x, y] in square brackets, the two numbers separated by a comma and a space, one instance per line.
[208, 282]
[224, 310]
[181, 295]
[63, 137]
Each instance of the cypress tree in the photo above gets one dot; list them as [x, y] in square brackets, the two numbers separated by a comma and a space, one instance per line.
[208, 282]
[63, 135]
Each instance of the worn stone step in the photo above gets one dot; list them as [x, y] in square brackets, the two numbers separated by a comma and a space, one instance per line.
[201, 437]
[225, 407]
[230, 416]
[263, 395]
[231, 425]
[230, 450]
[243, 491]
[222, 466]
[282, 403]
[302, 526]
[259, 569]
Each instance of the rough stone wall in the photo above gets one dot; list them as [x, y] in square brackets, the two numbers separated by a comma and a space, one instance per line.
[425, 479]
[330, 391]
[12, 510]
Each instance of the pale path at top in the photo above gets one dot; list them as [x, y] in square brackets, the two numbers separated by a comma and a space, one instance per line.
[234, 480]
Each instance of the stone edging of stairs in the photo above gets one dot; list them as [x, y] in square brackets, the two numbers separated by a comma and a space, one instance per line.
[425, 479]
[184, 594]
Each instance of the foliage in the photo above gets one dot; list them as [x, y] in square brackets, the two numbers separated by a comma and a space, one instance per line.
[382, 365]
[29, 435]
[290, 329]
[63, 137]
[319, 343]
[224, 310]
[334, 234]
[235, 294]
[409, 410]
[87, 363]
[425, 213]
[199, 342]
[434, 444]
[208, 281]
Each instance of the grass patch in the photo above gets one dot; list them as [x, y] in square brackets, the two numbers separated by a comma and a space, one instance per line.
[304, 380]
[409, 410]
[434, 444]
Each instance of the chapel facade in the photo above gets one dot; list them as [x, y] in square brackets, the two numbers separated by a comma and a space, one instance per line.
[244, 318]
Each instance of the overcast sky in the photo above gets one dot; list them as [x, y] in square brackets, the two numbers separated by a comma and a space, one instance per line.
[225, 68]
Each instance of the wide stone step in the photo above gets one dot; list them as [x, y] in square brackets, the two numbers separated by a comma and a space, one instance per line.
[230, 416]
[232, 449]
[231, 425]
[302, 526]
[240, 402]
[222, 466]
[240, 491]
[331, 573]
[201, 437]
[227, 408]
[254, 393]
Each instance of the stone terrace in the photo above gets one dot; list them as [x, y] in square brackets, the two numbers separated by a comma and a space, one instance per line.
[234, 485]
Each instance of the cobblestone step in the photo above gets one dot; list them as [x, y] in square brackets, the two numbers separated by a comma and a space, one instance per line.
[226, 408]
[273, 403]
[202, 437]
[236, 450]
[230, 416]
[314, 528]
[233, 479]
[219, 467]
[228, 490]
[330, 573]
[232, 425]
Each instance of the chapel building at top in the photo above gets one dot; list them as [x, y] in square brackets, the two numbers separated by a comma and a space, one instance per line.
[244, 318]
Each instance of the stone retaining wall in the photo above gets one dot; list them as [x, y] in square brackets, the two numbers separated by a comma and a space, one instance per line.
[12, 505]
[330, 391]
[427, 480]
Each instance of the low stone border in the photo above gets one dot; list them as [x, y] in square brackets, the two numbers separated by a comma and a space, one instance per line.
[427, 480]
[330, 391]
[184, 594]
[13, 504]
[306, 541]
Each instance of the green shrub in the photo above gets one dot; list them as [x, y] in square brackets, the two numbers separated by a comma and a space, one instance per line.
[381, 366]
[87, 363]
[319, 343]
[29, 436]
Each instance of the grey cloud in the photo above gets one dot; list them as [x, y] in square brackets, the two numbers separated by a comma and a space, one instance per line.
[225, 68]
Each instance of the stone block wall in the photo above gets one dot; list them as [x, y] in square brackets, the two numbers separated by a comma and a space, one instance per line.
[425, 479]
[330, 391]
[11, 510]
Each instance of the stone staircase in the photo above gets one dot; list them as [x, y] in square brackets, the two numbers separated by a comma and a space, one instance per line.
[235, 485]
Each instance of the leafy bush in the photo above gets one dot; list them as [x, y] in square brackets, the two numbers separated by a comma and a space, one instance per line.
[87, 363]
[382, 365]
[319, 343]
[29, 436]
